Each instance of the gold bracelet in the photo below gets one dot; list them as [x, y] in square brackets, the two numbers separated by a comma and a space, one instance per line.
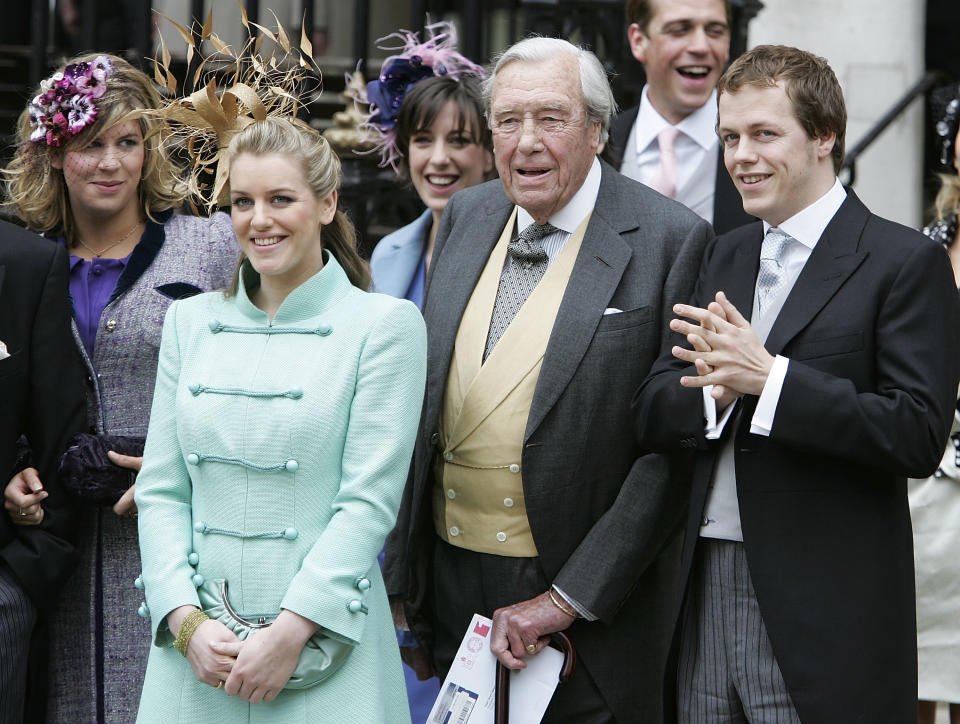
[187, 628]
[566, 609]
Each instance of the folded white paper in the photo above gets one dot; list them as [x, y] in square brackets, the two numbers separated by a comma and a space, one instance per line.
[3, 351]
[467, 694]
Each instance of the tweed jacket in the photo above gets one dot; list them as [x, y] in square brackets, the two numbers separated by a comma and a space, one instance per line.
[98, 606]
[394, 261]
[275, 460]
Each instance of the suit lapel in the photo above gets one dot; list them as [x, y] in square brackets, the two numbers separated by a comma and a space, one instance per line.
[596, 275]
[833, 260]
[742, 278]
[459, 266]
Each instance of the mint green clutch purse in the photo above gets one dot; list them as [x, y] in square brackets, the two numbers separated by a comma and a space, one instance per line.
[323, 654]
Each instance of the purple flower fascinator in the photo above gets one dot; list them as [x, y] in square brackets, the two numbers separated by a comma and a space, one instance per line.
[66, 102]
[437, 55]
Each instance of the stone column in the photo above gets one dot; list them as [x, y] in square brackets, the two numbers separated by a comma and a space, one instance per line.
[876, 50]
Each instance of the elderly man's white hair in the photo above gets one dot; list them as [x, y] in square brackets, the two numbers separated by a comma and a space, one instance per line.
[597, 96]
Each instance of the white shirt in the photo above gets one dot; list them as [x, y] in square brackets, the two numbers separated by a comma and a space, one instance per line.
[569, 217]
[697, 149]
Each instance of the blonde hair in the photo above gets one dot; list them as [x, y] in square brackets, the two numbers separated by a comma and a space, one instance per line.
[36, 191]
[947, 202]
[321, 169]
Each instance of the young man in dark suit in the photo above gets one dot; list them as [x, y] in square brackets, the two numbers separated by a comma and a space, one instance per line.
[41, 385]
[668, 141]
[822, 348]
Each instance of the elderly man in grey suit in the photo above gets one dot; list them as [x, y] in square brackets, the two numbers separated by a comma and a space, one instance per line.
[528, 500]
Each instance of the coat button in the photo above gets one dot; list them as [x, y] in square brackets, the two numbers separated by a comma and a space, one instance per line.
[111, 325]
[291, 533]
[448, 456]
[435, 438]
[200, 526]
[214, 325]
[295, 393]
[143, 611]
[138, 583]
[323, 329]
[508, 502]
[363, 584]
[355, 606]
[292, 466]
[501, 536]
[193, 559]
[197, 580]
[454, 531]
[514, 468]
[451, 493]
[194, 388]
[193, 459]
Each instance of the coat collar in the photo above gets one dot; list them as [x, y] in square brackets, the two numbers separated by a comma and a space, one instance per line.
[394, 266]
[318, 294]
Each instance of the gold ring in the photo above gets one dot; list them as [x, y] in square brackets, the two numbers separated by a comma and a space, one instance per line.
[531, 648]
[220, 684]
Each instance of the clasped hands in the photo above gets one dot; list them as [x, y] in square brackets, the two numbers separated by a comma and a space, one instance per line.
[726, 352]
[255, 669]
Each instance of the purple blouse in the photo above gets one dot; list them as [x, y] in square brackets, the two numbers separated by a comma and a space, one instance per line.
[91, 284]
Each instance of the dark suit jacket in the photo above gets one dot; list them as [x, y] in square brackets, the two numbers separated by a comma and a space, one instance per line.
[728, 210]
[605, 521]
[872, 332]
[41, 385]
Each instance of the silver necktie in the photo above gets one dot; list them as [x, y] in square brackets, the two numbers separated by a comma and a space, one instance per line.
[528, 264]
[771, 278]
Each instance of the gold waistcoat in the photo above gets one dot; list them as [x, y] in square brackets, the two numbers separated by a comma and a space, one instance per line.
[478, 501]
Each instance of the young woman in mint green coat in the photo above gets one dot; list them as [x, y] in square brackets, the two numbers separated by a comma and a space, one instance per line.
[282, 427]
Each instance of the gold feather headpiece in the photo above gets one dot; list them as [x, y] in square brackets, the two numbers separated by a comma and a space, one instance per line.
[234, 89]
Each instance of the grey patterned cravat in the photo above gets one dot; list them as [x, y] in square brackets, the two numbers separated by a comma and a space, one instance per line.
[528, 263]
[771, 277]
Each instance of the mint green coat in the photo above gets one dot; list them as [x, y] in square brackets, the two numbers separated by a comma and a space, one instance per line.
[276, 459]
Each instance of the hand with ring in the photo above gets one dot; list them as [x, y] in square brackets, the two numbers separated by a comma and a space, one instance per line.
[23, 498]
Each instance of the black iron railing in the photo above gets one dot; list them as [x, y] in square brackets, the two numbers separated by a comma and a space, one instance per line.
[848, 172]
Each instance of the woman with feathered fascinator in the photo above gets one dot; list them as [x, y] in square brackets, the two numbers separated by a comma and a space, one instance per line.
[428, 119]
[281, 434]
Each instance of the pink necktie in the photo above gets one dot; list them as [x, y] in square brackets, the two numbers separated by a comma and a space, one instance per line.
[665, 178]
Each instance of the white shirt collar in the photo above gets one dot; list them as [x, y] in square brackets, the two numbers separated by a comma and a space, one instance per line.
[701, 125]
[569, 217]
[807, 226]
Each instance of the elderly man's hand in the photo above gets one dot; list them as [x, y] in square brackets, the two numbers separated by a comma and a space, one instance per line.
[521, 630]
[727, 352]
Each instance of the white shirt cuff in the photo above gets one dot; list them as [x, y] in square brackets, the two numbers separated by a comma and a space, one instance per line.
[714, 427]
[574, 605]
[762, 421]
